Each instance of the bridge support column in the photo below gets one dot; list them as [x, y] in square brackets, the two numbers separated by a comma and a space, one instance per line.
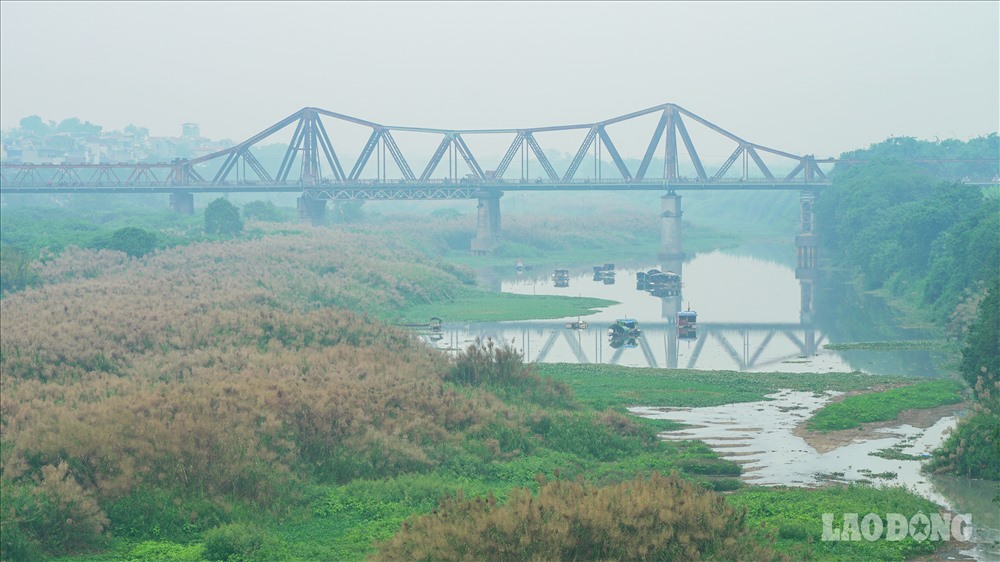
[671, 244]
[488, 223]
[805, 264]
[312, 210]
[805, 242]
[182, 202]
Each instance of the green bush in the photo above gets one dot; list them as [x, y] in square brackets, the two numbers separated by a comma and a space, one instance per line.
[262, 211]
[17, 270]
[161, 514]
[222, 217]
[240, 542]
[15, 543]
[134, 241]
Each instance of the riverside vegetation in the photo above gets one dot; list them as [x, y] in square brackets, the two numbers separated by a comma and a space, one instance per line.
[220, 399]
[932, 248]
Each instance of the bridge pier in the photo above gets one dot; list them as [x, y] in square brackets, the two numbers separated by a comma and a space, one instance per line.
[805, 263]
[182, 202]
[312, 210]
[805, 242]
[671, 245]
[487, 223]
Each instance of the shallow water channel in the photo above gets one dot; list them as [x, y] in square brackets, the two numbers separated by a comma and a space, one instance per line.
[753, 315]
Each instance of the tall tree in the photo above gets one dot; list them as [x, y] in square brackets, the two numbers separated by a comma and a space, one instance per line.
[222, 217]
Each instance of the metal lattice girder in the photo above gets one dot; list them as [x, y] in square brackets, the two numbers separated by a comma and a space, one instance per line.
[509, 156]
[226, 166]
[310, 159]
[255, 165]
[397, 155]
[760, 163]
[436, 158]
[103, 172]
[252, 140]
[622, 168]
[692, 153]
[580, 154]
[139, 173]
[653, 143]
[670, 159]
[791, 175]
[397, 193]
[728, 163]
[69, 174]
[327, 146]
[812, 169]
[470, 160]
[366, 153]
[537, 150]
[293, 147]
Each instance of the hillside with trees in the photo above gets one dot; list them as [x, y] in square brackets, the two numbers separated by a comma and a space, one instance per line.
[934, 246]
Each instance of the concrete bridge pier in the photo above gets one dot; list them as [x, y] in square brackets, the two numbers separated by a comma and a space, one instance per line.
[182, 202]
[805, 242]
[488, 223]
[805, 263]
[312, 210]
[671, 246]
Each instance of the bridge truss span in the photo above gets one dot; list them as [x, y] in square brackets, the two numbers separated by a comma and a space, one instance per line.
[333, 156]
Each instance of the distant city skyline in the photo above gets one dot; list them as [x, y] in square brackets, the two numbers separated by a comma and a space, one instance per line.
[819, 78]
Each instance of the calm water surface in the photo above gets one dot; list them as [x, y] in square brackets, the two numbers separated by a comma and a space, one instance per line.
[753, 315]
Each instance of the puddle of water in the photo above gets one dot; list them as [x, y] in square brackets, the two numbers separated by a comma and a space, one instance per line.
[760, 436]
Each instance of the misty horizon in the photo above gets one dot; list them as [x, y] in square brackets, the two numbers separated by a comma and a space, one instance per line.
[807, 78]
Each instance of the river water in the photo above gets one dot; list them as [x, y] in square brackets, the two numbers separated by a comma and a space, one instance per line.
[753, 314]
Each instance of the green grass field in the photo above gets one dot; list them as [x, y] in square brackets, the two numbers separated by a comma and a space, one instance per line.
[883, 406]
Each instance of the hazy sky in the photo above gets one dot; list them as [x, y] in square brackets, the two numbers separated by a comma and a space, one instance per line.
[807, 77]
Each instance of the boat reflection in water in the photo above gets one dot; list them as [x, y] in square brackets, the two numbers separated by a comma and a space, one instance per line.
[624, 332]
[561, 277]
[687, 324]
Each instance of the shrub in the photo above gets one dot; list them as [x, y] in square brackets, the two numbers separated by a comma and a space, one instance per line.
[240, 542]
[135, 242]
[262, 211]
[501, 368]
[222, 217]
[59, 511]
[661, 518]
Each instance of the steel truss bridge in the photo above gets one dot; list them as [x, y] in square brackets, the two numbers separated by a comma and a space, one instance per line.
[314, 164]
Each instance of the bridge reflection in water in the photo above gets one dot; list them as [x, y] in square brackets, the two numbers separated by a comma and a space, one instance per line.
[742, 346]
